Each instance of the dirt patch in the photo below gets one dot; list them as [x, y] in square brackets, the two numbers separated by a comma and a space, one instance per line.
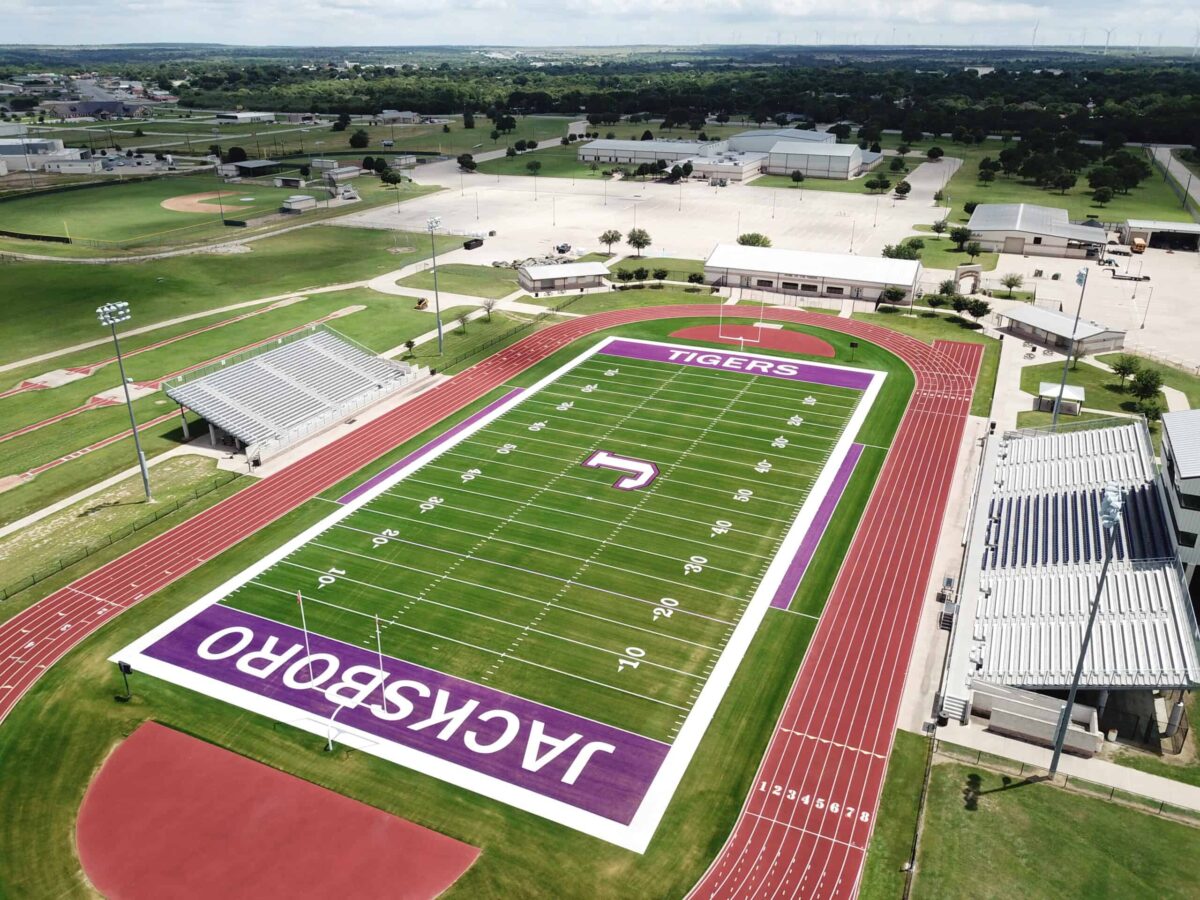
[194, 203]
[402, 249]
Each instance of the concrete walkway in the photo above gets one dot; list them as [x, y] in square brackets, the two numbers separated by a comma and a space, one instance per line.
[1099, 771]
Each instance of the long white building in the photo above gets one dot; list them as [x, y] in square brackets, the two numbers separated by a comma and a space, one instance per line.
[804, 273]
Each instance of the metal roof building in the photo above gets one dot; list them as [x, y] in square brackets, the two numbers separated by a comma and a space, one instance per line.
[1056, 329]
[562, 276]
[1167, 235]
[804, 272]
[1039, 230]
[1032, 566]
[1181, 478]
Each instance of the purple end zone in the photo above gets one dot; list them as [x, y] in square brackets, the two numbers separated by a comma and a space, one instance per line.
[436, 442]
[812, 537]
[586, 764]
[749, 363]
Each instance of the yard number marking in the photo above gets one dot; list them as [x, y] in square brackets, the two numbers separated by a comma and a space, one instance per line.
[721, 526]
[384, 536]
[743, 495]
[634, 654]
[537, 426]
[809, 400]
[329, 577]
[609, 373]
[695, 566]
[780, 442]
[431, 503]
[470, 475]
[666, 606]
[506, 449]
[565, 407]
[762, 467]
[796, 421]
[588, 388]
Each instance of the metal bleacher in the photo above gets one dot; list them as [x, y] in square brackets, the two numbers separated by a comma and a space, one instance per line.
[273, 397]
[1035, 551]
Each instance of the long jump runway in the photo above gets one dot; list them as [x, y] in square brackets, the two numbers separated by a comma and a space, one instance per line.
[859, 653]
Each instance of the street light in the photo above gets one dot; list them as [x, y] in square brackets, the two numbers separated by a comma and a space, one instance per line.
[432, 224]
[112, 314]
[1080, 279]
[1110, 516]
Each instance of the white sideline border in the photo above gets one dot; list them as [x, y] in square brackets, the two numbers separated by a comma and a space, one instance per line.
[635, 836]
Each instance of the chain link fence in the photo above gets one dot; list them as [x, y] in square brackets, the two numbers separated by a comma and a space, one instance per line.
[160, 511]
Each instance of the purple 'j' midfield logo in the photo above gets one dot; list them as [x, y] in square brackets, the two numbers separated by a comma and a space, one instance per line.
[636, 473]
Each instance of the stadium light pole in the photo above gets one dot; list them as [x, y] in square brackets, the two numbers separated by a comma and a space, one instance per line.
[1080, 279]
[432, 224]
[112, 314]
[1110, 516]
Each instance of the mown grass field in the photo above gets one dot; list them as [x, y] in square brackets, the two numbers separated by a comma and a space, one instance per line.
[474, 281]
[556, 162]
[677, 269]
[992, 836]
[58, 301]
[55, 739]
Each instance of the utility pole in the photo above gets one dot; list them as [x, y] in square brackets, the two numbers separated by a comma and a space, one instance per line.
[112, 314]
[1110, 517]
[432, 224]
[1080, 279]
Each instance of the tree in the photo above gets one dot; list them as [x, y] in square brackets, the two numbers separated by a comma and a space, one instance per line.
[641, 273]
[676, 172]
[368, 162]
[391, 177]
[446, 130]
[467, 163]
[1064, 180]
[647, 135]
[948, 287]
[893, 294]
[359, 139]
[1146, 384]
[754, 239]
[903, 189]
[896, 165]
[488, 304]
[1125, 366]
[520, 145]
[1102, 195]
[494, 135]
[901, 251]
[236, 155]
[1150, 409]
[933, 154]
[970, 206]
[960, 234]
[624, 275]
[380, 166]
[977, 307]
[661, 274]
[510, 152]
[687, 170]
[638, 239]
[986, 177]
[610, 237]
[468, 119]
[695, 278]
[1012, 281]
[939, 227]
[410, 345]
[304, 171]
[974, 248]
[531, 145]
[533, 166]
[959, 303]
[462, 324]
[797, 177]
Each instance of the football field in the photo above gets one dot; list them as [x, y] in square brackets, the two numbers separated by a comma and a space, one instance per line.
[546, 604]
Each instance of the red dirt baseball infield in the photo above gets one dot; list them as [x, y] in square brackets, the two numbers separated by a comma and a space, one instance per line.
[194, 203]
[757, 338]
[172, 816]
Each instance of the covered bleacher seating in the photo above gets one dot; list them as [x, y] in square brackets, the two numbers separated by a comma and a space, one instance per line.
[272, 398]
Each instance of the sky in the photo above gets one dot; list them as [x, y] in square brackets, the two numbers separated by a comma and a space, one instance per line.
[597, 22]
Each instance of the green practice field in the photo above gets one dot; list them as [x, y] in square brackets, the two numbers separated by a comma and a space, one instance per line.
[620, 601]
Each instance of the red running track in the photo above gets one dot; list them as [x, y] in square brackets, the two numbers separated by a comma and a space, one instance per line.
[858, 655]
[805, 827]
